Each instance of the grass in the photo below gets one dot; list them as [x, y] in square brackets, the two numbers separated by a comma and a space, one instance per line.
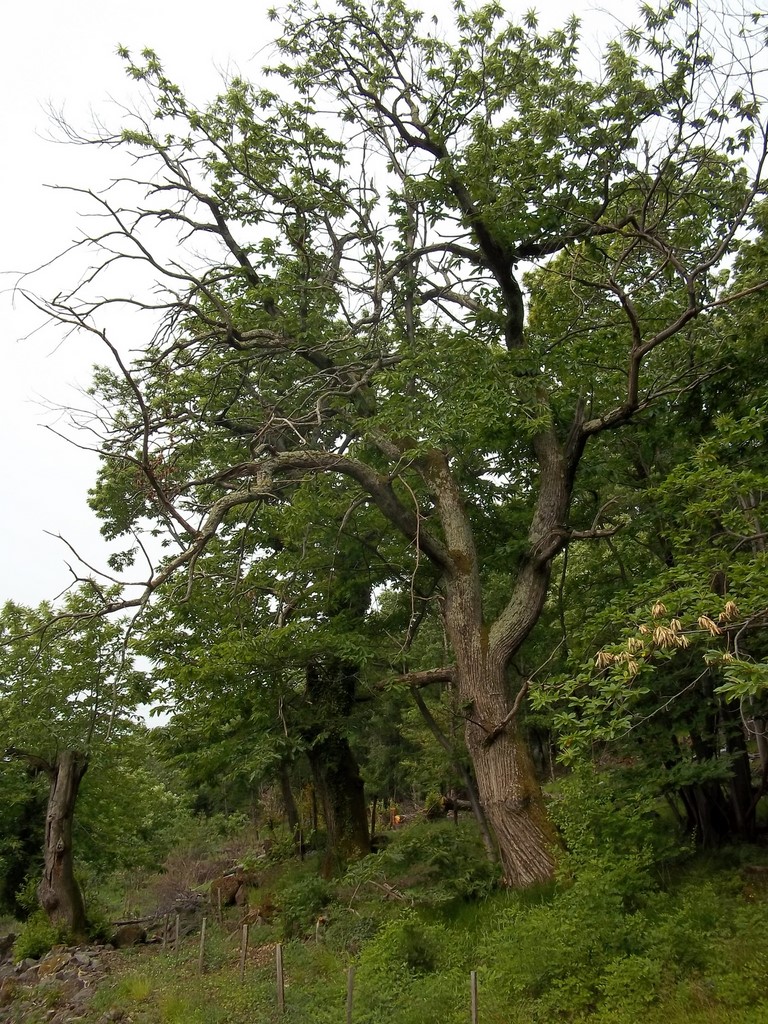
[687, 949]
[698, 958]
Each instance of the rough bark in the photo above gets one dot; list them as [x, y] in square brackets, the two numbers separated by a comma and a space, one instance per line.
[509, 792]
[508, 788]
[59, 892]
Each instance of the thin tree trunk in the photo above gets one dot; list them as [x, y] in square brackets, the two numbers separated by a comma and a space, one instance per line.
[740, 790]
[474, 800]
[335, 772]
[59, 892]
[313, 814]
[289, 804]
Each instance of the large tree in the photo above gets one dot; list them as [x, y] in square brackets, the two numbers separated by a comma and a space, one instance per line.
[337, 267]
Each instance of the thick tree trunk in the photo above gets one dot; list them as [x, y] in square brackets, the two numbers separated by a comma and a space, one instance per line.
[508, 788]
[58, 892]
[509, 791]
[337, 780]
[335, 773]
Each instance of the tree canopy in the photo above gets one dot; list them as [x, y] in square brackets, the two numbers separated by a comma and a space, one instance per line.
[413, 291]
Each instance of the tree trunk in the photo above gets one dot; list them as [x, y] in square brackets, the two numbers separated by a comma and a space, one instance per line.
[59, 893]
[289, 803]
[509, 792]
[335, 773]
[740, 790]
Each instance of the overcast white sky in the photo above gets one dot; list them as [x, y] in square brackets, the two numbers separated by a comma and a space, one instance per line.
[63, 55]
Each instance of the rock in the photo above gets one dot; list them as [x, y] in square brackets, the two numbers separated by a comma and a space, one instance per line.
[29, 976]
[228, 886]
[129, 935]
[233, 887]
[52, 964]
[8, 989]
[71, 987]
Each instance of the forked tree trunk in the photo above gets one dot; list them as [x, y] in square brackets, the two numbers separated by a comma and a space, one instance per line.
[59, 892]
[509, 791]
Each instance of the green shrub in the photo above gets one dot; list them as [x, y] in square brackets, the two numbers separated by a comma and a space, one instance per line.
[281, 845]
[301, 902]
[437, 862]
[37, 937]
[629, 985]
[407, 945]
[611, 826]
[349, 930]
[26, 896]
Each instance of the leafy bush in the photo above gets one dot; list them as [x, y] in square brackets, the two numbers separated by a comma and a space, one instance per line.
[612, 828]
[301, 902]
[399, 964]
[405, 946]
[281, 845]
[437, 862]
[37, 937]
[349, 930]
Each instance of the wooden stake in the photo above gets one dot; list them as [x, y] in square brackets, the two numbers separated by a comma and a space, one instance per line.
[218, 900]
[280, 978]
[243, 951]
[201, 954]
[176, 937]
[165, 931]
[350, 992]
[473, 994]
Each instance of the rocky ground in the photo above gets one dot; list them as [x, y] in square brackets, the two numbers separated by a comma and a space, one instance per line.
[56, 989]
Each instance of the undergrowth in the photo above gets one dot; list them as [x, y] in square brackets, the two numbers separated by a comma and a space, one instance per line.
[630, 932]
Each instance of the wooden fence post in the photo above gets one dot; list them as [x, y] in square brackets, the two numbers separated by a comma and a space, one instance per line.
[201, 954]
[243, 951]
[280, 978]
[473, 994]
[350, 992]
[176, 937]
[165, 931]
